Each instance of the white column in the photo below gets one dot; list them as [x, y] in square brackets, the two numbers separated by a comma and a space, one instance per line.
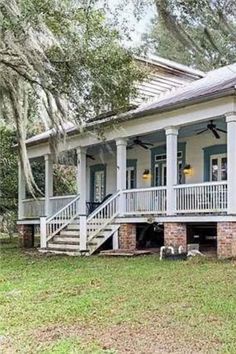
[48, 183]
[171, 167]
[121, 156]
[231, 161]
[81, 187]
[21, 191]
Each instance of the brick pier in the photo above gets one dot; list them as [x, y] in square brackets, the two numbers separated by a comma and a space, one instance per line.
[127, 236]
[226, 239]
[175, 234]
[26, 236]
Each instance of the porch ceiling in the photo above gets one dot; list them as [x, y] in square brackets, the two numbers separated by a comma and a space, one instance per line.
[159, 136]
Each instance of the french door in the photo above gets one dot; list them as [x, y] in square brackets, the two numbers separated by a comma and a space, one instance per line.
[99, 186]
[160, 173]
[130, 177]
[218, 168]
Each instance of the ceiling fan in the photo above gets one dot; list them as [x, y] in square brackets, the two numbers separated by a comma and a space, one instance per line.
[90, 157]
[141, 143]
[213, 128]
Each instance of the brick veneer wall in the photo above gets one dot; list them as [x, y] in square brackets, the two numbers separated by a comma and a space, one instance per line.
[127, 236]
[226, 239]
[26, 236]
[175, 234]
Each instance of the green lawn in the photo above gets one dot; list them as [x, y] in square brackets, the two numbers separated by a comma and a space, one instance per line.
[53, 304]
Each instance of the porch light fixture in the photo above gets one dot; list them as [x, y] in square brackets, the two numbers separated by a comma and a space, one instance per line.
[187, 169]
[146, 174]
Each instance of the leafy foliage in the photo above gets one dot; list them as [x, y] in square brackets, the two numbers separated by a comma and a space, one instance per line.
[60, 60]
[8, 166]
[202, 33]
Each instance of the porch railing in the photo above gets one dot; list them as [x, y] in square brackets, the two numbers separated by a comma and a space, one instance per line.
[35, 208]
[145, 201]
[210, 197]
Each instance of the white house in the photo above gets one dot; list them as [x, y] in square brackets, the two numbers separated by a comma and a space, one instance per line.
[168, 166]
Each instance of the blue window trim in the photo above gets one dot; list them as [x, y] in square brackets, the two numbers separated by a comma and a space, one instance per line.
[208, 152]
[93, 169]
[133, 163]
[158, 150]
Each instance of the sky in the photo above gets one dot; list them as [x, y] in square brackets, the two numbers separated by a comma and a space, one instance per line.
[135, 27]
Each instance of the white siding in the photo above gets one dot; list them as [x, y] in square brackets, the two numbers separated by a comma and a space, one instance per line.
[157, 84]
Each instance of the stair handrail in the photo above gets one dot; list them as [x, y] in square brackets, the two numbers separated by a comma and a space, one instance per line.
[62, 218]
[96, 227]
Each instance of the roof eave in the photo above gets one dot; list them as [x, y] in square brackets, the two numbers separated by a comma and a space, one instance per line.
[167, 108]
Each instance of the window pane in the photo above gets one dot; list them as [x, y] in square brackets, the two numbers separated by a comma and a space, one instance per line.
[99, 186]
[156, 176]
[164, 175]
[214, 170]
[224, 169]
[132, 180]
[180, 174]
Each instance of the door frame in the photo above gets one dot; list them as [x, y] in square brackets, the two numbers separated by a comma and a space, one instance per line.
[93, 170]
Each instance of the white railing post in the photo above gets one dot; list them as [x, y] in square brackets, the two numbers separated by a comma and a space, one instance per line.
[82, 189]
[21, 191]
[171, 167]
[121, 156]
[231, 163]
[115, 241]
[43, 232]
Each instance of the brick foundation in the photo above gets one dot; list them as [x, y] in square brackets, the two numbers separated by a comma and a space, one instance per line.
[175, 234]
[226, 239]
[26, 236]
[127, 236]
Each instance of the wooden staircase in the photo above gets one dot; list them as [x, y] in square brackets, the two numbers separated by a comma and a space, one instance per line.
[68, 240]
[64, 238]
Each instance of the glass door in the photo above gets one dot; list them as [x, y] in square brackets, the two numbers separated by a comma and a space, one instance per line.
[160, 174]
[218, 168]
[99, 186]
[130, 177]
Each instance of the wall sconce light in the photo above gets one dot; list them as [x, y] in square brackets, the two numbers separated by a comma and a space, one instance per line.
[146, 174]
[187, 170]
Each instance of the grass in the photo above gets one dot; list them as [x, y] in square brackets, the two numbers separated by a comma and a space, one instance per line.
[54, 304]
